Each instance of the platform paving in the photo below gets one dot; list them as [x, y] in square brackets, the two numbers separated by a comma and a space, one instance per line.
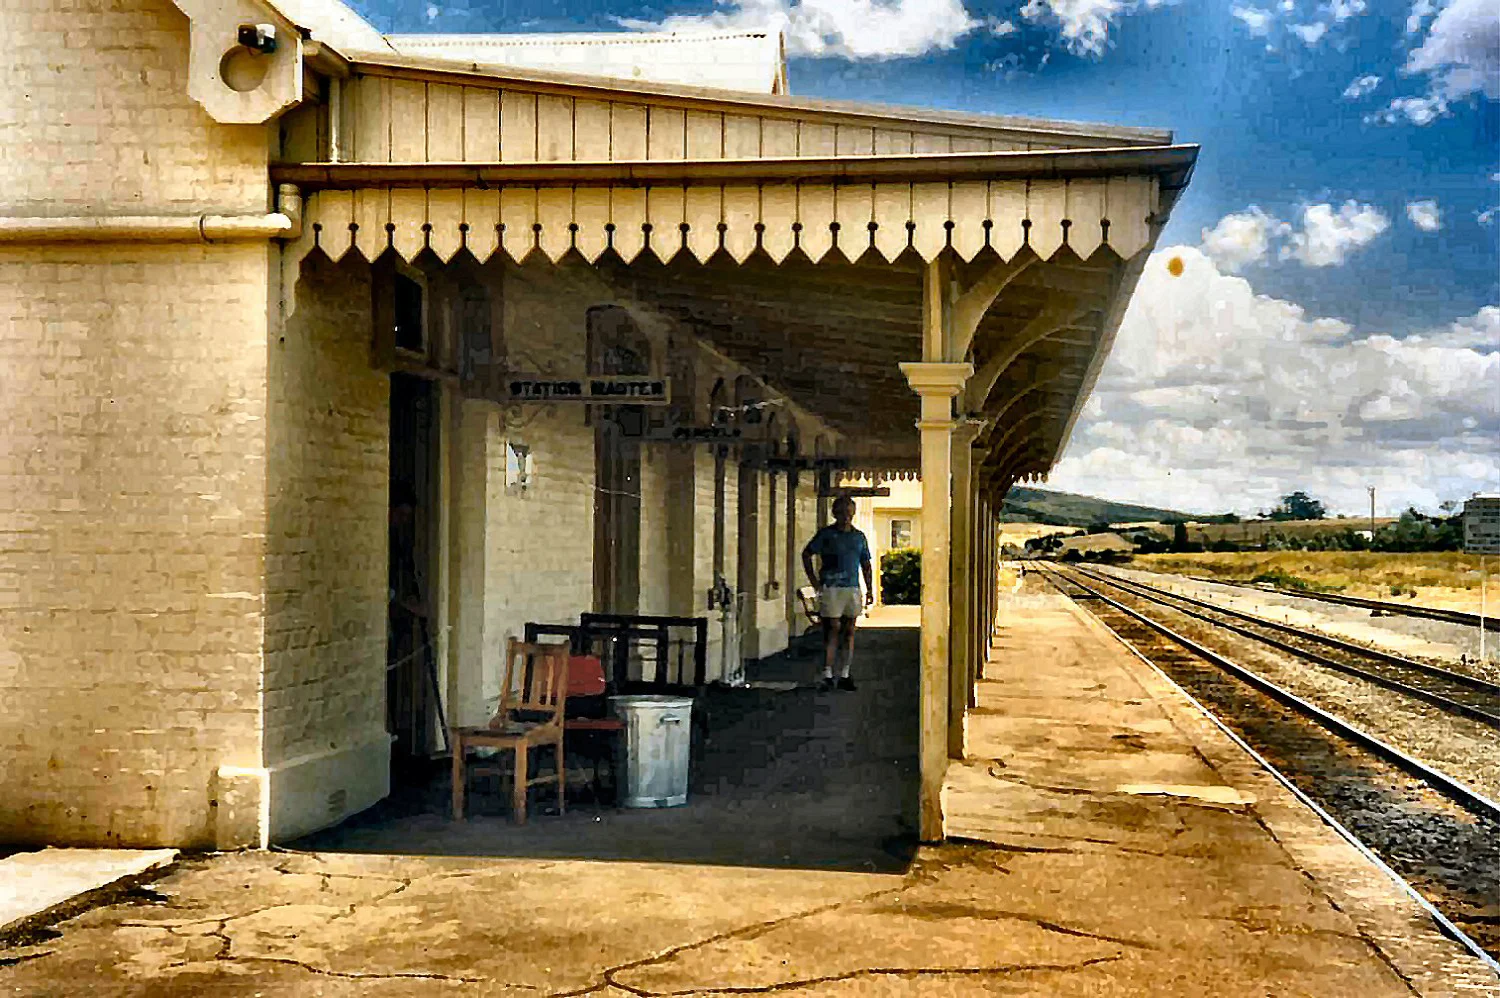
[1093, 865]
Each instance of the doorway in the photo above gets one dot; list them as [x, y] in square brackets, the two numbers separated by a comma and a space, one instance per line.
[616, 346]
[412, 698]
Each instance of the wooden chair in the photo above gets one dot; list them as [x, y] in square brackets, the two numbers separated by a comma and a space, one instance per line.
[532, 700]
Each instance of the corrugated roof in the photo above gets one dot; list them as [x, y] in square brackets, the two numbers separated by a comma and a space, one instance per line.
[730, 60]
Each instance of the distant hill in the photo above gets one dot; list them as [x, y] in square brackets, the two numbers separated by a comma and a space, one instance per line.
[1064, 509]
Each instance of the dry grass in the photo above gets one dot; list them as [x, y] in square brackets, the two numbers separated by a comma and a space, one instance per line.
[1437, 578]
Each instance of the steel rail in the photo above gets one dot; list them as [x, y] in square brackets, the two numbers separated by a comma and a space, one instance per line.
[1414, 692]
[1458, 678]
[1455, 790]
[1386, 606]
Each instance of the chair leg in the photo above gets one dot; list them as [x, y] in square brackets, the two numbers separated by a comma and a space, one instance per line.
[518, 790]
[458, 778]
[562, 780]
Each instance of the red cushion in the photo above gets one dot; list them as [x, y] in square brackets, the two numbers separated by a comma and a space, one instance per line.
[585, 676]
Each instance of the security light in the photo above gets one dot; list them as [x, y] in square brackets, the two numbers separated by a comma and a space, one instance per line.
[258, 37]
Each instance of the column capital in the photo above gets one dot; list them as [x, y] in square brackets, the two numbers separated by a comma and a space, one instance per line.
[937, 379]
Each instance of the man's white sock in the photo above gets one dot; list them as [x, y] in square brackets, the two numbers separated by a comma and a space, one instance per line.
[846, 660]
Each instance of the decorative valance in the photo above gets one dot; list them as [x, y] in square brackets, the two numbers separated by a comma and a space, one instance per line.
[1084, 214]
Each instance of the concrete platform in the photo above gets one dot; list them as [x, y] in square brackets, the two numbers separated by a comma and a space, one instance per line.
[1075, 879]
[1131, 813]
[35, 884]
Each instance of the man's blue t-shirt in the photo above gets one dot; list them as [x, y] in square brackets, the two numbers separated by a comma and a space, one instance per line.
[842, 552]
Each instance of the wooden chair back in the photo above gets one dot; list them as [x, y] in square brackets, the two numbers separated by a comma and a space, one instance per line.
[536, 682]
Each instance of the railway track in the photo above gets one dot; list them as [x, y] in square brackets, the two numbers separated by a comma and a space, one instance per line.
[1454, 692]
[1436, 834]
[1378, 605]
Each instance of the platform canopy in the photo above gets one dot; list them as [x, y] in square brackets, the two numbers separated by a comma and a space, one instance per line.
[805, 239]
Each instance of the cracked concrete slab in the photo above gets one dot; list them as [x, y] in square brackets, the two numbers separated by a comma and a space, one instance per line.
[1069, 886]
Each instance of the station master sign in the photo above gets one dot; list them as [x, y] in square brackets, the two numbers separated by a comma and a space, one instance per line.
[1482, 525]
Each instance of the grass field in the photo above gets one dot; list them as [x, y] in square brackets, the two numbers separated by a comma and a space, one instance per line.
[1446, 579]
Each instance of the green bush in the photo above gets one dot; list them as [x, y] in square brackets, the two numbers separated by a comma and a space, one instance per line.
[901, 576]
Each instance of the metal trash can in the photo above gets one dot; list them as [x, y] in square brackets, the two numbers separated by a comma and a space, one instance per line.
[657, 745]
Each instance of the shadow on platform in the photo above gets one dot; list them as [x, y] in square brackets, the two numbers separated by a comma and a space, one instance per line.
[781, 778]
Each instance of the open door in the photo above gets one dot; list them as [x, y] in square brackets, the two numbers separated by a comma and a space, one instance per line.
[411, 684]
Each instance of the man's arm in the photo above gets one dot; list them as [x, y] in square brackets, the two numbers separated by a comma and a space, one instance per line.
[867, 567]
[807, 562]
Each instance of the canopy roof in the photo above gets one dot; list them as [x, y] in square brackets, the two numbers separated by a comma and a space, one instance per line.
[795, 236]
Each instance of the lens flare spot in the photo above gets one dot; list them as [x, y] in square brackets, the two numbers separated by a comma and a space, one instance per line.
[1174, 266]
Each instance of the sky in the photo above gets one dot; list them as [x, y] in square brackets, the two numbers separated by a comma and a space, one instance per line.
[1335, 323]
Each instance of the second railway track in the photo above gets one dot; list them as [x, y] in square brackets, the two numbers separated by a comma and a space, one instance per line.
[1450, 691]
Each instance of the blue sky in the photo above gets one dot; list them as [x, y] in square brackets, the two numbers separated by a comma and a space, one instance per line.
[1345, 198]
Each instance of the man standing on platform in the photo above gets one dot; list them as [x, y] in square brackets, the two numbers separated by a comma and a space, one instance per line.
[843, 555]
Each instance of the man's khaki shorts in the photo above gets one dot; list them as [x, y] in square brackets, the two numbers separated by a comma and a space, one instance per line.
[840, 601]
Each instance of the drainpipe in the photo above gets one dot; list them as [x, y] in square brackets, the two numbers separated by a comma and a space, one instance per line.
[289, 200]
[149, 228]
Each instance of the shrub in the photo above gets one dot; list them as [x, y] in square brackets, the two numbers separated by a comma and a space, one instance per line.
[901, 576]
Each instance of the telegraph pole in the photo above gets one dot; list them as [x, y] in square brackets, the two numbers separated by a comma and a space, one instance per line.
[1371, 490]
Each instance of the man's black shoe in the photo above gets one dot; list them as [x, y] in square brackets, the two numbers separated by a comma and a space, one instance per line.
[846, 684]
[825, 684]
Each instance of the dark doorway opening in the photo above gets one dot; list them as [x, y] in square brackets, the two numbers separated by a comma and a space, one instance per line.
[411, 661]
[617, 346]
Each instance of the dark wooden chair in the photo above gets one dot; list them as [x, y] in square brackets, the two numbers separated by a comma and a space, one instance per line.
[532, 701]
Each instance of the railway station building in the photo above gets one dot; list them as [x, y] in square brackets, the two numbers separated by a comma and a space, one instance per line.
[612, 314]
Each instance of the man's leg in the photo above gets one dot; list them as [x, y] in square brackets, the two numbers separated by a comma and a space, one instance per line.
[830, 647]
[846, 650]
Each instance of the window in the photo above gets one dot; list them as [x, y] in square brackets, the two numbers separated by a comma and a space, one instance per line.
[900, 534]
[409, 332]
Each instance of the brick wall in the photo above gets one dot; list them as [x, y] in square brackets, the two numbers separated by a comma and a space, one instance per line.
[540, 543]
[133, 395]
[97, 91]
[328, 428]
[132, 504]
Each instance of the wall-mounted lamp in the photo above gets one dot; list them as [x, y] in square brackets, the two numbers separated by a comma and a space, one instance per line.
[258, 37]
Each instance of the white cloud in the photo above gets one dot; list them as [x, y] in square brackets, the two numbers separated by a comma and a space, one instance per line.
[1417, 110]
[1420, 12]
[1342, 10]
[1328, 237]
[1241, 238]
[1361, 86]
[1425, 215]
[1085, 24]
[1257, 20]
[1310, 33]
[1216, 397]
[1001, 28]
[1460, 57]
[853, 29]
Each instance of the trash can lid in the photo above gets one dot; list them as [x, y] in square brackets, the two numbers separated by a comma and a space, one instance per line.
[651, 700]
